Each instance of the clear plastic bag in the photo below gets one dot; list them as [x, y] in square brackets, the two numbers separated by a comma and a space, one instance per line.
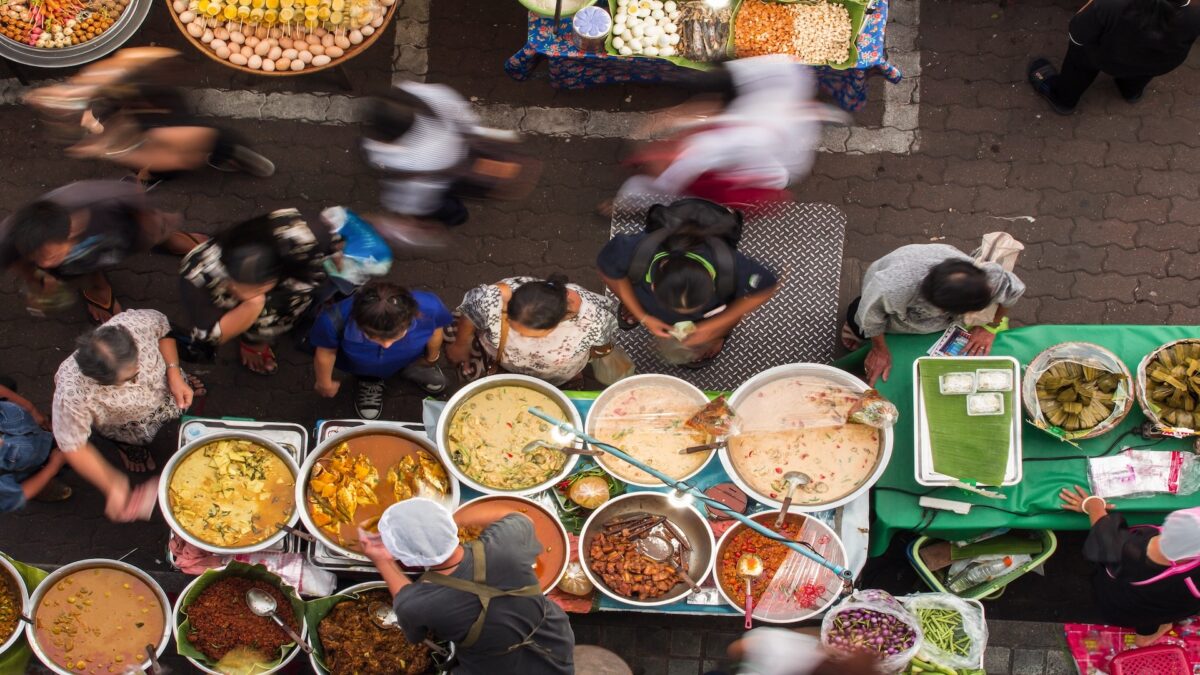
[1144, 473]
[613, 366]
[574, 581]
[1084, 354]
[973, 628]
[861, 615]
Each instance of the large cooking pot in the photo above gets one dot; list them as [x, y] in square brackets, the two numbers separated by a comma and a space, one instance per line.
[92, 563]
[327, 446]
[551, 563]
[164, 486]
[175, 624]
[836, 553]
[650, 379]
[22, 597]
[833, 376]
[567, 411]
[683, 516]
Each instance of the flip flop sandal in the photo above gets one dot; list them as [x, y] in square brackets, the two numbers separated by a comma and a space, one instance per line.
[849, 340]
[197, 385]
[112, 308]
[269, 364]
[625, 320]
[136, 454]
[1039, 73]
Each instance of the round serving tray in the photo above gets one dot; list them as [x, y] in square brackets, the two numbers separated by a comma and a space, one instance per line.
[75, 55]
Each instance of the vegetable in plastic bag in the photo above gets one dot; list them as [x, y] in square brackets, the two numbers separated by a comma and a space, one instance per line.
[873, 621]
[955, 632]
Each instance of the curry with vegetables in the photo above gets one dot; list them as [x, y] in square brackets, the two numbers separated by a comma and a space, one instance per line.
[489, 431]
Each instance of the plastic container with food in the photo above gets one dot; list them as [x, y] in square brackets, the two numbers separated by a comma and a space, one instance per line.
[98, 616]
[230, 493]
[795, 418]
[985, 403]
[216, 630]
[957, 383]
[792, 587]
[490, 441]
[350, 479]
[646, 417]
[994, 379]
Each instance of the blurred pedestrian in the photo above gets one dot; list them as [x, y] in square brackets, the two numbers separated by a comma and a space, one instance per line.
[71, 237]
[256, 281]
[685, 280]
[122, 383]
[548, 329]
[126, 110]
[382, 331]
[29, 461]
[778, 651]
[1148, 575]
[746, 152]
[926, 288]
[1133, 41]
[432, 152]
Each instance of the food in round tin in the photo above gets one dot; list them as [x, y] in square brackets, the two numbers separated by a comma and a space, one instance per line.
[488, 432]
[55, 24]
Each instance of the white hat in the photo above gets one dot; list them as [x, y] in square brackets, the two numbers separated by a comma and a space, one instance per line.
[418, 532]
[1180, 538]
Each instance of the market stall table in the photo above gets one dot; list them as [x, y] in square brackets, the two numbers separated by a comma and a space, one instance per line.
[572, 67]
[1049, 464]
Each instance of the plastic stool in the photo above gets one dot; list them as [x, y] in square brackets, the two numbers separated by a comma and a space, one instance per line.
[1156, 660]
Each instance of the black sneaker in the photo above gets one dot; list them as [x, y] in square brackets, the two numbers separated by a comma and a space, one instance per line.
[55, 491]
[246, 160]
[368, 402]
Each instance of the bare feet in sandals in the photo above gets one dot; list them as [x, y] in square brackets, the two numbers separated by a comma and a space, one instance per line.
[100, 312]
[136, 459]
[197, 385]
[259, 358]
[1140, 641]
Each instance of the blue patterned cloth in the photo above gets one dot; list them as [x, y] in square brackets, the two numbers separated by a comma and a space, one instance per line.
[572, 67]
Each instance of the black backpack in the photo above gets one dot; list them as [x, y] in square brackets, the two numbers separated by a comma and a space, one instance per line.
[680, 228]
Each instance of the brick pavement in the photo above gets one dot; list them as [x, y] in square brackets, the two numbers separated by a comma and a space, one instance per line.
[1106, 201]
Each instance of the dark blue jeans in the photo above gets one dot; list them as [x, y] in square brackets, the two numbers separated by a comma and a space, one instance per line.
[24, 448]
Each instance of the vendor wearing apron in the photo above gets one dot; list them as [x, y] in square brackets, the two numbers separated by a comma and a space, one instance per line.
[483, 595]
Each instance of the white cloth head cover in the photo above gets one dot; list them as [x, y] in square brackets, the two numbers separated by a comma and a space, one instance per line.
[1181, 535]
[419, 532]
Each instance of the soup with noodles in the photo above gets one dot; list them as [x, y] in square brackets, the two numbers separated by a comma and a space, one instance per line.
[489, 431]
[99, 620]
[647, 422]
[799, 424]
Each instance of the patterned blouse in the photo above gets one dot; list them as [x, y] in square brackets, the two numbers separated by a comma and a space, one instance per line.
[555, 358]
[127, 413]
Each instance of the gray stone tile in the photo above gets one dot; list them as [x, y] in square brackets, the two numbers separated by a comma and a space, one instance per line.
[722, 666]
[650, 665]
[717, 644]
[1029, 662]
[683, 667]
[997, 660]
[653, 641]
[686, 642]
[1026, 634]
[1060, 663]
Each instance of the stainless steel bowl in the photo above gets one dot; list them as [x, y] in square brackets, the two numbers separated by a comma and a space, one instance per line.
[650, 379]
[767, 518]
[479, 386]
[178, 621]
[92, 563]
[833, 376]
[164, 487]
[117, 34]
[22, 595]
[368, 429]
[314, 637]
[686, 518]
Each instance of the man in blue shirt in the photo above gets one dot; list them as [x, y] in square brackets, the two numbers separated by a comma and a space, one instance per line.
[381, 331]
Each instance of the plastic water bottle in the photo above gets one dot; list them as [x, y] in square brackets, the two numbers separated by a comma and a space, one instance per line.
[985, 571]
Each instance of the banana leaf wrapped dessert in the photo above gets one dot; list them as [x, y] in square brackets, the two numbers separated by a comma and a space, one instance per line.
[1169, 380]
[1077, 390]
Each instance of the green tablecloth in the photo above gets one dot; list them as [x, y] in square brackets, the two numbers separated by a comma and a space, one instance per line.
[1032, 503]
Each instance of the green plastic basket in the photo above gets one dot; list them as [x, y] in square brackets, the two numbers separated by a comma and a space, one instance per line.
[986, 591]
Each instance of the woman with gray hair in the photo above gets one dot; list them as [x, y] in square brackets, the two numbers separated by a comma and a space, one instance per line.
[122, 383]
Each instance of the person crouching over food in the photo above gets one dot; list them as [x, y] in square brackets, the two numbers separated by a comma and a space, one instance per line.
[926, 288]
[483, 595]
[381, 331]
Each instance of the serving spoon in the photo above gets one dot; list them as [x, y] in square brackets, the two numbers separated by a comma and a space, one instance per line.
[657, 548]
[794, 480]
[385, 617]
[749, 567]
[262, 604]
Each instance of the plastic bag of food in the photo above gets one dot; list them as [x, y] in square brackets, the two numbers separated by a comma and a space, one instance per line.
[1076, 373]
[613, 366]
[716, 418]
[574, 581]
[365, 254]
[874, 622]
[704, 31]
[954, 630]
[874, 410]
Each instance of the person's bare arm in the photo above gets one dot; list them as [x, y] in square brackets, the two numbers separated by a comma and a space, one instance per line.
[89, 463]
[721, 324]
[623, 289]
[239, 319]
[37, 482]
[23, 403]
[433, 348]
[460, 349]
[323, 362]
[372, 547]
[176, 383]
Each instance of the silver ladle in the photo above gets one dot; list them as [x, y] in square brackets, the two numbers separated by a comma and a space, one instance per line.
[385, 617]
[262, 604]
[657, 548]
[794, 480]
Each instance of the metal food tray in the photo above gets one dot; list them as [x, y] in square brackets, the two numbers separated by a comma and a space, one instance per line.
[923, 464]
[291, 437]
[317, 553]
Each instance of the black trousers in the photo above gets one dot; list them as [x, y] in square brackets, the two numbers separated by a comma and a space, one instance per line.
[1077, 74]
[851, 311]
